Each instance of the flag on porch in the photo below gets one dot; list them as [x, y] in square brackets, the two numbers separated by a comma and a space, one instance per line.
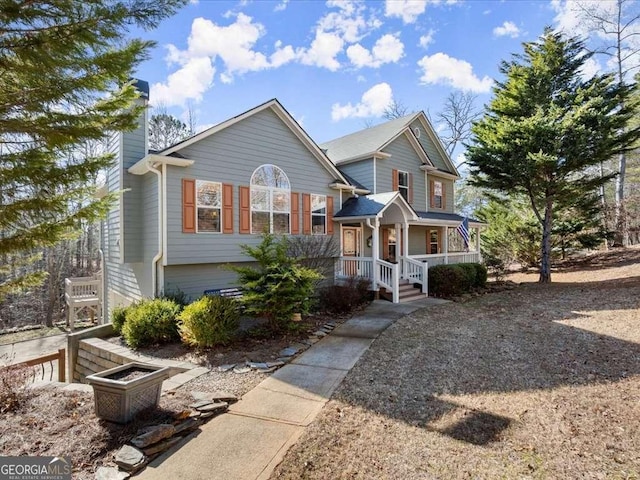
[463, 230]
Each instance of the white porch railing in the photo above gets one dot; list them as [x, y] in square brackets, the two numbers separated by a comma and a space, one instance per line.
[416, 272]
[354, 267]
[464, 257]
[448, 258]
[83, 293]
[389, 277]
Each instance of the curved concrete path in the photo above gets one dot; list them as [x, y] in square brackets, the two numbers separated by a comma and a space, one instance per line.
[251, 440]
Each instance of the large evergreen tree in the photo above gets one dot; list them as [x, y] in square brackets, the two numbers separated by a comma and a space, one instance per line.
[546, 126]
[65, 67]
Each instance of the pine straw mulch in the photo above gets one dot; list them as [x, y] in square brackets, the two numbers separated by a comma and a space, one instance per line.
[542, 382]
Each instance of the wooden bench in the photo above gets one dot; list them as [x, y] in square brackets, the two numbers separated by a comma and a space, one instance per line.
[231, 292]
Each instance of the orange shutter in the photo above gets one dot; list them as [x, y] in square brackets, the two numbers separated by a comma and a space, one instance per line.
[444, 197]
[411, 188]
[245, 209]
[188, 205]
[329, 215]
[394, 180]
[227, 208]
[306, 214]
[295, 213]
[385, 244]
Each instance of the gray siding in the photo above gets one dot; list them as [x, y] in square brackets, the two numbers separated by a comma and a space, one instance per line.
[361, 171]
[231, 156]
[405, 158]
[193, 280]
[417, 240]
[133, 149]
[112, 230]
[429, 146]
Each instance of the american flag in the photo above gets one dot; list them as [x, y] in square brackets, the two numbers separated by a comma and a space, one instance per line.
[463, 230]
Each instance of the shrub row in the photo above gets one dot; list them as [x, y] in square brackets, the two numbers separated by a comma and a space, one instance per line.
[206, 322]
[450, 280]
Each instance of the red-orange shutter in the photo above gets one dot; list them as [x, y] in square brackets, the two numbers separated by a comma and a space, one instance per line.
[385, 244]
[431, 198]
[295, 213]
[227, 208]
[411, 188]
[244, 194]
[329, 215]
[188, 205]
[306, 214]
[394, 180]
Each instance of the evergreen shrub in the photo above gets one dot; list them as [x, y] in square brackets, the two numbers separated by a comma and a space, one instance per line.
[209, 321]
[150, 322]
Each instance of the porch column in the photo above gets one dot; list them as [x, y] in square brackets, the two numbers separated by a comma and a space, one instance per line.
[478, 244]
[405, 241]
[445, 245]
[375, 253]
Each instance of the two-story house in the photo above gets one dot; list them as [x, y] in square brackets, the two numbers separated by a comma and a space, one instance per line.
[386, 193]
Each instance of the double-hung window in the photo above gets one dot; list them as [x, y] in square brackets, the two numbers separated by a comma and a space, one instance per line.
[403, 184]
[437, 195]
[270, 200]
[209, 206]
[318, 214]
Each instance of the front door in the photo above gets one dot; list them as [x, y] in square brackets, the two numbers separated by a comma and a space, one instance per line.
[351, 248]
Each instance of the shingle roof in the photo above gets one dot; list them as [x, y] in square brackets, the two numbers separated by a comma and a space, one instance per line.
[365, 141]
[367, 206]
[353, 181]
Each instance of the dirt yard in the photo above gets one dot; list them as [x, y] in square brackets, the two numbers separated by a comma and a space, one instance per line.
[539, 382]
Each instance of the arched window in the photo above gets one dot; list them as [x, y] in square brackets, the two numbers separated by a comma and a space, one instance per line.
[270, 200]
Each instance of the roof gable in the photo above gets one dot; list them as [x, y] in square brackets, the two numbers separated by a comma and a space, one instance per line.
[276, 107]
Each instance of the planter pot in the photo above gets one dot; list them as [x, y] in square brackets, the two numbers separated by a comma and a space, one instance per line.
[121, 392]
[296, 317]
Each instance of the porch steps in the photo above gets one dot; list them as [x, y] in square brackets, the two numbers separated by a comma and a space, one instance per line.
[407, 293]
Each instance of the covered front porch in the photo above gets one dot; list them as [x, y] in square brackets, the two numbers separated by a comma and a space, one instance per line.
[384, 240]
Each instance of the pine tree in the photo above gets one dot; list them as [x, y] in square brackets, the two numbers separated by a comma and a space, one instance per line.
[546, 126]
[65, 68]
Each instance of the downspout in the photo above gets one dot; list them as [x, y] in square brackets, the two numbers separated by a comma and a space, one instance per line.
[374, 253]
[158, 256]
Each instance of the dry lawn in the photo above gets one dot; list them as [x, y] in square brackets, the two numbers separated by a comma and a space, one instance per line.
[539, 382]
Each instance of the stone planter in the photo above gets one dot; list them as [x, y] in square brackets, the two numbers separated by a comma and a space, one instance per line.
[121, 392]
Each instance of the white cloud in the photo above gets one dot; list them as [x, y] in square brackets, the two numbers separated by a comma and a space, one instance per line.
[281, 6]
[372, 104]
[281, 55]
[590, 68]
[387, 49]
[190, 82]
[442, 69]
[361, 79]
[323, 51]
[408, 10]
[507, 29]
[426, 40]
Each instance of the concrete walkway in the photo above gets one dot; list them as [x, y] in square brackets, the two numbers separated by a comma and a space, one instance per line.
[28, 349]
[251, 440]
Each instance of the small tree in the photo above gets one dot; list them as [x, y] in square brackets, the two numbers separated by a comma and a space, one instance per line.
[278, 286]
[166, 130]
[545, 126]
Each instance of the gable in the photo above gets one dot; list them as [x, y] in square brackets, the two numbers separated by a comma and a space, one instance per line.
[436, 153]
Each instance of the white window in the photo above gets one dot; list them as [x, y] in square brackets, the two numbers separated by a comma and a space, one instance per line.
[437, 195]
[318, 214]
[209, 206]
[270, 200]
[403, 184]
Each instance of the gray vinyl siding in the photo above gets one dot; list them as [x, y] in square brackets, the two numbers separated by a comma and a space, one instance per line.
[112, 229]
[417, 240]
[231, 156]
[193, 280]
[449, 193]
[429, 146]
[362, 172]
[405, 158]
[133, 149]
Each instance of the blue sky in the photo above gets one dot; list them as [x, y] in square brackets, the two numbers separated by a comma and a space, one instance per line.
[336, 64]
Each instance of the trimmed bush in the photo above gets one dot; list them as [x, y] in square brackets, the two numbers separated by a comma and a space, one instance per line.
[151, 322]
[481, 275]
[456, 279]
[118, 317]
[338, 299]
[209, 321]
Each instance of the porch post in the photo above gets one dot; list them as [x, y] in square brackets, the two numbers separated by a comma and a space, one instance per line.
[405, 242]
[375, 253]
[445, 244]
[478, 244]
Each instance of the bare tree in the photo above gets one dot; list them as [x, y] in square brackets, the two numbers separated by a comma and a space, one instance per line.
[192, 118]
[166, 130]
[617, 28]
[457, 115]
[395, 109]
